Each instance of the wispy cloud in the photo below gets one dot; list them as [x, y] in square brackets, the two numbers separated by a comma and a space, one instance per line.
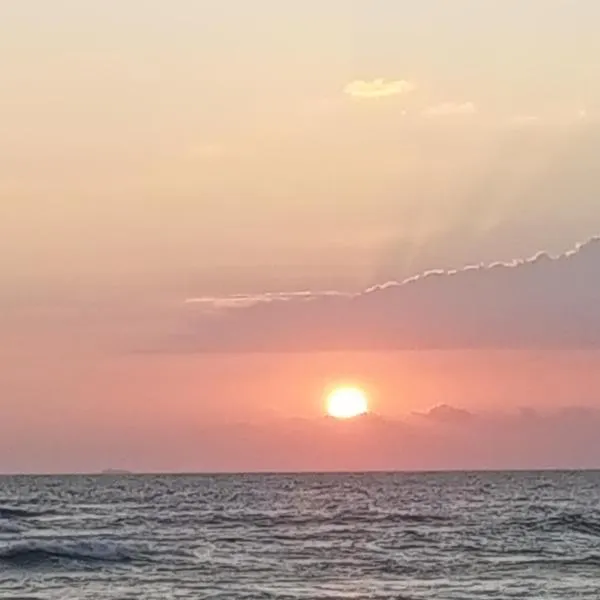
[214, 303]
[447, 109]
[550, 120]
[543, 301]
[379, 88]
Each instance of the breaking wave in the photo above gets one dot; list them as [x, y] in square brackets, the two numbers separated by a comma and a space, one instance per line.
[36, 552]
[21, 513]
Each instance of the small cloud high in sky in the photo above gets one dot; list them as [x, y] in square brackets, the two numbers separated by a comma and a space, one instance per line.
[379, 88]
[228, 211]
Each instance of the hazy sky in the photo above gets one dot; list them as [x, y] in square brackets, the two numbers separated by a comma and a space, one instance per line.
[171, 172]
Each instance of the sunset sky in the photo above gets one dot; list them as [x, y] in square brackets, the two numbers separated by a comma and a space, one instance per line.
[214, 211]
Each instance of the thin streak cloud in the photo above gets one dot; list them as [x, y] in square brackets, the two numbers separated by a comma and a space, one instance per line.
[234, 301]
[448, 109]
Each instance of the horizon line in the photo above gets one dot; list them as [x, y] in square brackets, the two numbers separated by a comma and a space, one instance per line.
[268, 472]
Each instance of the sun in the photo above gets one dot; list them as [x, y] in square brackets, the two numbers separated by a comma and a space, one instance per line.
[346, 403]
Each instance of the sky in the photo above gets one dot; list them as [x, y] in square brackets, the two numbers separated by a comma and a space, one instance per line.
[211, 212]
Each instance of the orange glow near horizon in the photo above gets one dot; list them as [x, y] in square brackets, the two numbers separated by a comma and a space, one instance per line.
[346, 403]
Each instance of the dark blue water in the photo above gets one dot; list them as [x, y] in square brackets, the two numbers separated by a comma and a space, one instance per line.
[438, 536]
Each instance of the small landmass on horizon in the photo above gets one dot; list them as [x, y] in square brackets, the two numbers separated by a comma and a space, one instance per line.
[116, 472]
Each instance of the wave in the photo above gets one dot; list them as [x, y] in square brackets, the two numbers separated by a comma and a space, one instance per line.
[549, 562]
[21, 513]
[341, 518]
[565, 522]
[35, 552]
[9, 527]
[576, 522]
[412, 518]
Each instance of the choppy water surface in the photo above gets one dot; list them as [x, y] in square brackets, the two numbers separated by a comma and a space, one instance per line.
[450, 536]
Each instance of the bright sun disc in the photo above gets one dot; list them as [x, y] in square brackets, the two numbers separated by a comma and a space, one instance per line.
[348, 402]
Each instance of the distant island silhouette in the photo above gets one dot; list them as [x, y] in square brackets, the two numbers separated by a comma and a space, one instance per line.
[116, 472]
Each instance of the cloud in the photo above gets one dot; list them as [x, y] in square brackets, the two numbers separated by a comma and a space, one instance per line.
[448, 109]
[248, 300]
[555, 121]
[379, 88]
[529, 439]
[446, 414]
[544, 301]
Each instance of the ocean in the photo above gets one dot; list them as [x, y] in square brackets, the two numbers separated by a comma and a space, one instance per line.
[459, 536]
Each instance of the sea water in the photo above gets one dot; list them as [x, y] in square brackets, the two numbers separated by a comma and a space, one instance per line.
[467, 536]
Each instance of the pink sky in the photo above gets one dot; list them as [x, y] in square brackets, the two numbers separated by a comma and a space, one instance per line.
[210, 215]
[138, 381]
